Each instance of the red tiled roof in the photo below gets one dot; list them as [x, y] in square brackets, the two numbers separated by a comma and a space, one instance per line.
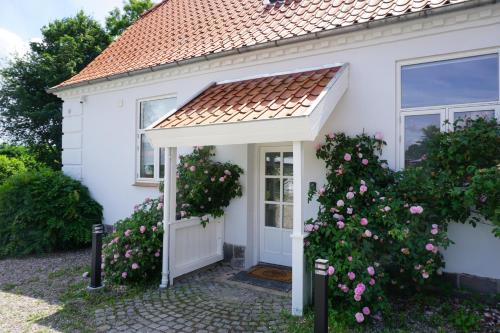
[270, 97]
[176, 30]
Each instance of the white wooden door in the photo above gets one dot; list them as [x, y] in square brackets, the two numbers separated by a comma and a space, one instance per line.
[276, 205]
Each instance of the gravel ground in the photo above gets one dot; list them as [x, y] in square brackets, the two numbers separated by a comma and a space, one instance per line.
[31, 288]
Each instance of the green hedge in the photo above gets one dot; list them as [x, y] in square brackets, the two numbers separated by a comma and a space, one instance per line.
[43, 211]
[10, 166]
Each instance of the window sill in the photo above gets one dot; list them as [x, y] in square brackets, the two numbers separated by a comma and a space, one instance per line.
[146, 183]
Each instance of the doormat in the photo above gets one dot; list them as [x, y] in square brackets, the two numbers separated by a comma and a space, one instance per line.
[271, 277]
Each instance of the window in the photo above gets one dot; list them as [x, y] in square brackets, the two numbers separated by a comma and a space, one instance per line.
[446, 90]
[151, 161]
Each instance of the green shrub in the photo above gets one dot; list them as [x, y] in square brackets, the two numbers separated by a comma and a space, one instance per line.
[132, 254]
[22, 154]
[10, 166]
[44, 211]
[205, 187]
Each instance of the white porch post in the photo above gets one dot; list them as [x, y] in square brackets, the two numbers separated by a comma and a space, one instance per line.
[169, 208]
[298, 271]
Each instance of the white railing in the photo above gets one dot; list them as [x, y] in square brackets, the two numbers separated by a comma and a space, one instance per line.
[193, 246]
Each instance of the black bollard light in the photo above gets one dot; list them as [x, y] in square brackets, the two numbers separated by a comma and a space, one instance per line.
[320, 296]
[95, 275]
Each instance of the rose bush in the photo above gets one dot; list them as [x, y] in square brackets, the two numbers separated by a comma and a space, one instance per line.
[375, 238]
[205, 187]
[132, 254]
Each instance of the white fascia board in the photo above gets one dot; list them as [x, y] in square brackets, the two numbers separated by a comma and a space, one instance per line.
[259, 131]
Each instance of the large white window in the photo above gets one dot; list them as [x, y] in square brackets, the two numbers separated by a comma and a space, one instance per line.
[432, 92]
[151, 161]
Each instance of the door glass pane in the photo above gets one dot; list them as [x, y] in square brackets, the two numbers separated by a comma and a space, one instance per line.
[273, 164]
[147, 159]
[472, 115]
[272, 189]
[287, 216]
[456, 81]
[287, 164]
[153, 110]
[418, 130]
[272, 218]
[287, 190]
[162, 162]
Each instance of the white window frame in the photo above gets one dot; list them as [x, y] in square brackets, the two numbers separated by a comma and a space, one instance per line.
[446, 112]
[156, 151]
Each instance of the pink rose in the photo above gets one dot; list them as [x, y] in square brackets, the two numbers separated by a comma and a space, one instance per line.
[359, 317]
[363, 189]
[366, 311]
[364, 161]
[360, 289]
[434, 226]
[135, 265]
[347, 157]
[340, 225]
[367, 233]
[212, 179]
[222, 179]
[309, 227]
[364, 221]
[127, 232]
[379, 136]
[429, 247]
[142, 229]
[349, 210]
[349, 258]
[340, 203]
[371, 270]
[372, 282]
[227, 172]
[153, 228]
[322, 191]
[357, 297]
[192, 168]
[128, 254]
[157, 253]
[434, 231]
[330, 270]
[349, 195]
[415, 210]
[425, 275]
[386, 208]
[351, 276]
[316, 227]
[124, 275]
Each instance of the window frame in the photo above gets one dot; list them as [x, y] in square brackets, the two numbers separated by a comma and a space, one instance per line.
[446, 111]
[141, 131]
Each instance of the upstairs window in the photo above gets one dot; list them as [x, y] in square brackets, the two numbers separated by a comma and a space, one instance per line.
[435, 91]
[151, 161]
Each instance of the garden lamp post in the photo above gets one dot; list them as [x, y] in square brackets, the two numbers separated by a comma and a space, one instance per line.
[320, 296]
[95, 275]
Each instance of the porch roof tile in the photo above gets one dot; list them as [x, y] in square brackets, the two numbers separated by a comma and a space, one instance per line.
[177, 30]
[269, 97]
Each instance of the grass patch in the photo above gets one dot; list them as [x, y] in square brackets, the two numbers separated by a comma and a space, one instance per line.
[8, 286]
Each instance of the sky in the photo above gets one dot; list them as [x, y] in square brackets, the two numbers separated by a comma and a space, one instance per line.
[21, 20]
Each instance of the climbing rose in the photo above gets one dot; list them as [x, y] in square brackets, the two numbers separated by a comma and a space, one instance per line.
[364, 161]
[157, 253]
[124, 275]
[128, 254]
[340, 203]
[360, 289]
[330, 270]
[434, 226]
[434, 231]
[429, 247]
[364, 221]
[351, 276]
[127, 232]
[135, 265]
[366, 311]
[349, 258]
[142, 229]
[347, 157]
[349, 210]
[359, 317]
[425, 275]
[363, 189]
[367, 233]
[357, 297]
[372, 282]
[371, 270]
[227, 172]
[322, 191]
[340, 224]
[153, 228]
[379, 136]
[416, 210]
[192, 168]
[222, 179]
[349, 195]
[308, 227]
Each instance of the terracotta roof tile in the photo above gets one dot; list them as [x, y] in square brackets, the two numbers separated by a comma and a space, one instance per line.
[278, 96]
[176, 30]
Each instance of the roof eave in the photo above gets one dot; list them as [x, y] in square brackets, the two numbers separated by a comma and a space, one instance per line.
[291, 40]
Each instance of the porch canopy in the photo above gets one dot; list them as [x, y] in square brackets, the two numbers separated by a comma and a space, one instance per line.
[270, 108]
[273, 108]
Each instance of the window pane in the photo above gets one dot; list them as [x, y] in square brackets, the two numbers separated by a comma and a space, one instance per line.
[162, 162]
[288, 190]
[272, 218]
[153, 110]
[287, 216]
[287, 164]
[273, 164]
[418, 130]
[472, 115]
[457, 81]
[272, 189]
[147, 159]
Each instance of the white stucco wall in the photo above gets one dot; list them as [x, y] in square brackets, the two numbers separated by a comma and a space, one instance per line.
[103, 151]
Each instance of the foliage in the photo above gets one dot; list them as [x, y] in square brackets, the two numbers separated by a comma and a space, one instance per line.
[117, 20]
[132, 254]
[44, 211]
[23, 154]
[10, 166]
[205, 187]
[375, 239]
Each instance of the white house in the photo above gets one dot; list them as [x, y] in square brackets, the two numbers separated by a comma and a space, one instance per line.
[265, 83]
